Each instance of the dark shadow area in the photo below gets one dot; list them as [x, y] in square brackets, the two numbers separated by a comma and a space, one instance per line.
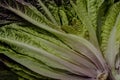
[6, 74]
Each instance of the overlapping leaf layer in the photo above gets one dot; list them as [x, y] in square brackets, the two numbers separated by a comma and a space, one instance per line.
[61, 40]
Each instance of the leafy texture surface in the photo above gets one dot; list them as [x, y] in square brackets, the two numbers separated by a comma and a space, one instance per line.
[61, 40]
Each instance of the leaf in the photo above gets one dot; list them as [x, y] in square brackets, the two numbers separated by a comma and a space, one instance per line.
[51, 56]
[109, 32]
[63, 17]
[72, 51]
[54, 9]
[8, 18]
[47, 12]
[76, 28]
[19, 69]
[101, 18]
[70, 41]
[27, 9]
[29, 39]
[42, 69]
[84, 10]
[111, 19]
[93, 7]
